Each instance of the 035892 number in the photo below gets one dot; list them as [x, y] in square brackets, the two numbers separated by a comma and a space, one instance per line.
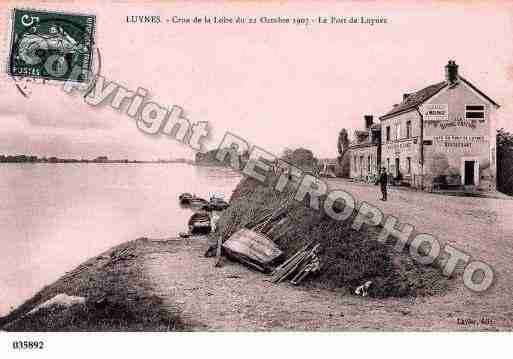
[27, 344]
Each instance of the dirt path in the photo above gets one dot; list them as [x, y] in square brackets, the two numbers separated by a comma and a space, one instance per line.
[233, 298]
[481, 227]
[236, 299]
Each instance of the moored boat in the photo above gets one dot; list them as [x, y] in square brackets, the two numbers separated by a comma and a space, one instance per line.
[185, 198]
[198, 202]
[217, 204]
[191, 200]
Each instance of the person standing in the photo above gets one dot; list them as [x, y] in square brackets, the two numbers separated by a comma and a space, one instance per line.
[383, 181]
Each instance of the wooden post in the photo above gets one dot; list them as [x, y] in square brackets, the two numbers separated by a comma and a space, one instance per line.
[218, 250]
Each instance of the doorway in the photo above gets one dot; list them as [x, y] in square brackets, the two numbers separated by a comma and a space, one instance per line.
[469, 173]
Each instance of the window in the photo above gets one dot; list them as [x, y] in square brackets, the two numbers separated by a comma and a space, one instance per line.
[368, 164]
[397, 131]
[361, 164]
[408, 129]
[355, 166]
[388, 164]
[408, 165]
[388, 133]
[474, 112]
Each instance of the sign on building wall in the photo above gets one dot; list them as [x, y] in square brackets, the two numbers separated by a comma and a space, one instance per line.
[436, 112]
[460, 141]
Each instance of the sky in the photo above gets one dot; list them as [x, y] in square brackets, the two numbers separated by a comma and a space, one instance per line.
[275, 85]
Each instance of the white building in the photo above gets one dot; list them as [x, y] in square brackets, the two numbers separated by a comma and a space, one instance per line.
[442, 135]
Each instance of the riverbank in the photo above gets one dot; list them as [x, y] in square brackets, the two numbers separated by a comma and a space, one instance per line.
[160, 285]
[175, 281]
[59, 215]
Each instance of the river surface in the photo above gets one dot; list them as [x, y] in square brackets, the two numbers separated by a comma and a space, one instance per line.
[55, 216]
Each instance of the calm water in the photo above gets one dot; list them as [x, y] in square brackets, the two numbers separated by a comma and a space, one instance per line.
[55, 216]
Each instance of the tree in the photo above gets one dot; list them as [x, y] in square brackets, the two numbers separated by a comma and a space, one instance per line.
[504, 138]
[343, 168]
[287, 153]
[342, 143]
[301, 158]
[505, 161]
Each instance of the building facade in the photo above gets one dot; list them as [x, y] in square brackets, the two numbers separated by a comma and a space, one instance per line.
[442, 135]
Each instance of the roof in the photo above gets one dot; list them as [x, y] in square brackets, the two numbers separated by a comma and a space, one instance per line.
[363, 138]
[478, 91]
[416, 98]
[361, 133]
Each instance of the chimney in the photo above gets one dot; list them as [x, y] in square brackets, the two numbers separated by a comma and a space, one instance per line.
[451, 72]
[405, 96]
[369, 120]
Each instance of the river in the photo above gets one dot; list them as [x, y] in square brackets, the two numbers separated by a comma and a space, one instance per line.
[55, 216]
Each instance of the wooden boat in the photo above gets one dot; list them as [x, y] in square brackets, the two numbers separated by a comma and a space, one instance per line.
[198, 202]
[253, 249]
[217, 204]
[199, 223]
[185, 198]
[191, 200]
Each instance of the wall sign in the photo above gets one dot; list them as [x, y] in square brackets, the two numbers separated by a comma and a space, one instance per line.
[459, 141]
[436, 112]
[453, 122]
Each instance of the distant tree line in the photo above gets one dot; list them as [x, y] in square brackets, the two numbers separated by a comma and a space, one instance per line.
[18, 158]
[209, 158]
[36, 159]
[301, 158]
[33, 159]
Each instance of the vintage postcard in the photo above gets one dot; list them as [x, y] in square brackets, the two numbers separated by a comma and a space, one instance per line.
[255, 167]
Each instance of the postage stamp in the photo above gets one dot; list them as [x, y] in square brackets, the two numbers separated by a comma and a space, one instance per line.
[51, 45]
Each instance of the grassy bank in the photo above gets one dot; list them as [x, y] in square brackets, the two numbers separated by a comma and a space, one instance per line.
[348, 257]
[147, 285]
[118, 297]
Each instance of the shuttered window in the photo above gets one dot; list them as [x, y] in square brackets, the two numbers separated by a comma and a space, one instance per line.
[474, 112]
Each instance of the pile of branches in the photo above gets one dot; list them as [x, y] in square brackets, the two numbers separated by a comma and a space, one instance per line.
[349, 257]
[299, 266]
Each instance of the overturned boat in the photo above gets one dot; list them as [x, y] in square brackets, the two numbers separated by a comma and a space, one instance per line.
[252, 249]
[200, 223]
[185, 198]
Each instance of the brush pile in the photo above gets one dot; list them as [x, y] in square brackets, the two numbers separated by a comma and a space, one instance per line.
[298, 267]
[348, 257]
